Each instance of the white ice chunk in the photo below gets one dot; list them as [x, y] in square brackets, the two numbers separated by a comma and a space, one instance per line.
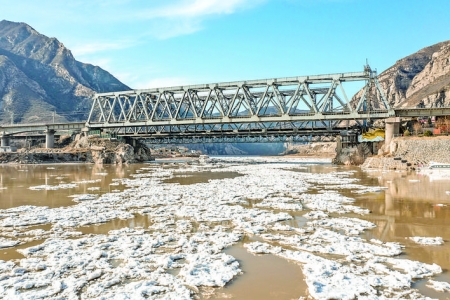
[427, 240]
[6, 243]
[209, 270]
[53, 187]
[439, 286]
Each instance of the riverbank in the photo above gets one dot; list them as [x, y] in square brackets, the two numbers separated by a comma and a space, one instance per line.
[405, 153]
[83, 149]
[316, 149]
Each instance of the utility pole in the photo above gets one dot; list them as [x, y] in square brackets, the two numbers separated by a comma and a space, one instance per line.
[12, 117]
[53, 116]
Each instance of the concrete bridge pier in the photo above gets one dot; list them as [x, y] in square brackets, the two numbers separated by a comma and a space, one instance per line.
[392, 129]
[50, 138]
[4, 140]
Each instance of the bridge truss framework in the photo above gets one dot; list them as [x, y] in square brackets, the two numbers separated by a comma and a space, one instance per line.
[293, 106]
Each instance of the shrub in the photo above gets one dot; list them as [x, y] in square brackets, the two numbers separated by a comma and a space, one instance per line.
[406, 133]
[427, 133]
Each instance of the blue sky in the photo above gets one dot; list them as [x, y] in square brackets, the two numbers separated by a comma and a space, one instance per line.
[158, 43]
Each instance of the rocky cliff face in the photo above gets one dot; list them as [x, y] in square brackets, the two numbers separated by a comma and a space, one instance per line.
[39, 76]
[421, 79]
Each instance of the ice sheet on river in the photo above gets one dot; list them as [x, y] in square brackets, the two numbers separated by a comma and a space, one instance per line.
[191, 225]
[330, 279]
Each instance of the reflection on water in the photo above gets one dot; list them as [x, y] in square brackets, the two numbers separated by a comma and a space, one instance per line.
[412, 205]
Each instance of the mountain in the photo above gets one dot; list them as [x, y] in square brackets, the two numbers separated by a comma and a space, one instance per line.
[421, 79]
[40, 80]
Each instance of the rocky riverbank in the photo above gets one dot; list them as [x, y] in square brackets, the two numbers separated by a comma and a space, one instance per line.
[410, 152]
[317, 149]
[83, 149]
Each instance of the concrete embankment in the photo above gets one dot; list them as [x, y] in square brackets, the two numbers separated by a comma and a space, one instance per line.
[410, 152]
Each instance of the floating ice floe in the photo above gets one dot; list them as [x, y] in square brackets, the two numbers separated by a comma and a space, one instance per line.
[96, 266]
[281, 203]
[87, 181]
[316, 214]
[331, 202]
[351, 226]
[209, 270]
[83, 197]
[372, 189]
[439, 286]
[53, 187]
[94, 188]
[328, 279]
[427, 240]
[7, 243]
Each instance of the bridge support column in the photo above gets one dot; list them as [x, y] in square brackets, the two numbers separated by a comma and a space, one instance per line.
[85, 131]
[5, 141]
[392, 129]
[49, 139]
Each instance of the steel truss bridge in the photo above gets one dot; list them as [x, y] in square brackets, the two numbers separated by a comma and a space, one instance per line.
[295, 109]
[258, 110]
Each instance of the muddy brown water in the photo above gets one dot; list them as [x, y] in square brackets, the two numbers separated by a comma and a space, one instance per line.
[412, 205]
[15, 181]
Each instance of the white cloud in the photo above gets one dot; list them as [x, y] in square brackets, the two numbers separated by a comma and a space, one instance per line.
[187, 16]
[161, 21]
[199, 8]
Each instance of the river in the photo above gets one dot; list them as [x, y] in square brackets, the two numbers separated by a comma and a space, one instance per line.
[240, 228]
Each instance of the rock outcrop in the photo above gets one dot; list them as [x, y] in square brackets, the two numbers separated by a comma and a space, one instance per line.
[355, 155]
[421, 79]
[83, 149]
[40, 80]
[317, 149]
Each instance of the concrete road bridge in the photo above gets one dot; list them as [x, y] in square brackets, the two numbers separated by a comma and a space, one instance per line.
[269, 110]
